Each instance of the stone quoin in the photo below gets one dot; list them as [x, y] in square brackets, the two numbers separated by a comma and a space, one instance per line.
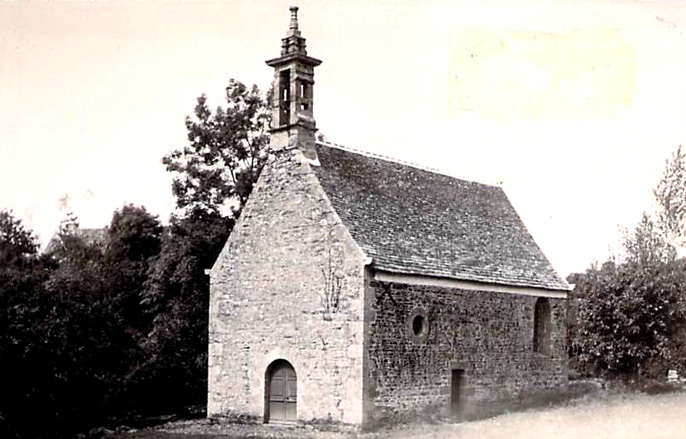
[355, 289]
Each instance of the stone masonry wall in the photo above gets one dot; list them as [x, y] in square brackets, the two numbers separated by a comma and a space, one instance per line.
[488, 335]
[289, 284]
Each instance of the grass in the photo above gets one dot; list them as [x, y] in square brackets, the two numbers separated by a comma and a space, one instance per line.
[618, 416]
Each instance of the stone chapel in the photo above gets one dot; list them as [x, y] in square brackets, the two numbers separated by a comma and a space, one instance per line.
[355, 289]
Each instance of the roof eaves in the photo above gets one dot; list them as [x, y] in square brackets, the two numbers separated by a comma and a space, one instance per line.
[562, 286]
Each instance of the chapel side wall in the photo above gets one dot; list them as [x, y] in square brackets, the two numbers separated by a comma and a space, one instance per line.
[289, 284]
[489, 335]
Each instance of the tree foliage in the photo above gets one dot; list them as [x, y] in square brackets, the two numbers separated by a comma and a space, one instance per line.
[670, 195]
[177, 297]
[116, 327]
[226, 151]
[631, 318]
[134, 241]
[646, 245]
[18, 281]
[628, 317]
[134, 234]
[225, 155]
[73, 333]
[16, 242]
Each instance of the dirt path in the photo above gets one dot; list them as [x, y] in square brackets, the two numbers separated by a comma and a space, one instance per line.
[632, 416]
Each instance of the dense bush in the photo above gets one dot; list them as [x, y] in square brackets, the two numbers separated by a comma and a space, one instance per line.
[72, 332]
[112, 329]
[628, 317]
[630, 320]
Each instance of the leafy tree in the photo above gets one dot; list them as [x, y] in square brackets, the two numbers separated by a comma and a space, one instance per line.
[646, 245]
[45, 336]
[175, 373]
[226, 151]
[16, 242]
[75, 324]
[214, 175]
[83, 351]
[18, 254]
[134, 240]
[670, 195]
[76, 346]
[631, 318]
[134, 234]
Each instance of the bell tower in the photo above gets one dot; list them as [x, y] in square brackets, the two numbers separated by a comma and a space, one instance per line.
[293, 123]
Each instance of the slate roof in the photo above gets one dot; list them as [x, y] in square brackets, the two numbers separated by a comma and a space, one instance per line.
[414, 221]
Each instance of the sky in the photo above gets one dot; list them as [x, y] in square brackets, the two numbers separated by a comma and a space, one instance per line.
[573, 107]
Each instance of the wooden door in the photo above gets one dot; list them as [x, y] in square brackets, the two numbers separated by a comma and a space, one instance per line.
[283, 393]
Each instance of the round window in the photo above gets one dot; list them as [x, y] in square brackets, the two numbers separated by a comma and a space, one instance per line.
[419, 325]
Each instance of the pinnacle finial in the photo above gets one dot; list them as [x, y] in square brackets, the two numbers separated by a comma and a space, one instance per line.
[294, 43]
[293, 27]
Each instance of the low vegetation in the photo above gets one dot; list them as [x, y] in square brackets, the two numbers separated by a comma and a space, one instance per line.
[600, 415]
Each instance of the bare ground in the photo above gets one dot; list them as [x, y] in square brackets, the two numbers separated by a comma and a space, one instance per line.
[624, 416]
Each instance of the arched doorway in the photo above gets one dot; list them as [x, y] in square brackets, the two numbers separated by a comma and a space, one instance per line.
[281, 397]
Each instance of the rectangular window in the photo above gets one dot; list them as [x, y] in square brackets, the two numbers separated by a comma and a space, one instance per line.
[542, 326]
[304, 99]
[284, 97]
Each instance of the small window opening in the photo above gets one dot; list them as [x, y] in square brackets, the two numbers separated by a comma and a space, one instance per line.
[284, 97]
[419, 325]
[304, 97]
[542, 326]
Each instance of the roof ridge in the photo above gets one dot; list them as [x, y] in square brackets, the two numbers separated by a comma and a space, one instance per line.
[404, 162]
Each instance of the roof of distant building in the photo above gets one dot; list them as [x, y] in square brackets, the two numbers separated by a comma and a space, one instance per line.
[89, 235]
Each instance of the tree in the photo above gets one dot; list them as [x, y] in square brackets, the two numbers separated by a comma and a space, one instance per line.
[16, 242]
[84, 348]
[18, 255]
[177, 297]
[75, 324]
[134, 234]
[214, 175]
[60, 345]
[670, 195]
[134, 241]
[646, 245]
[225, 154]
[631, 317]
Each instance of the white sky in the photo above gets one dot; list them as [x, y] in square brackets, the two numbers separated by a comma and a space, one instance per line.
[573, 106]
